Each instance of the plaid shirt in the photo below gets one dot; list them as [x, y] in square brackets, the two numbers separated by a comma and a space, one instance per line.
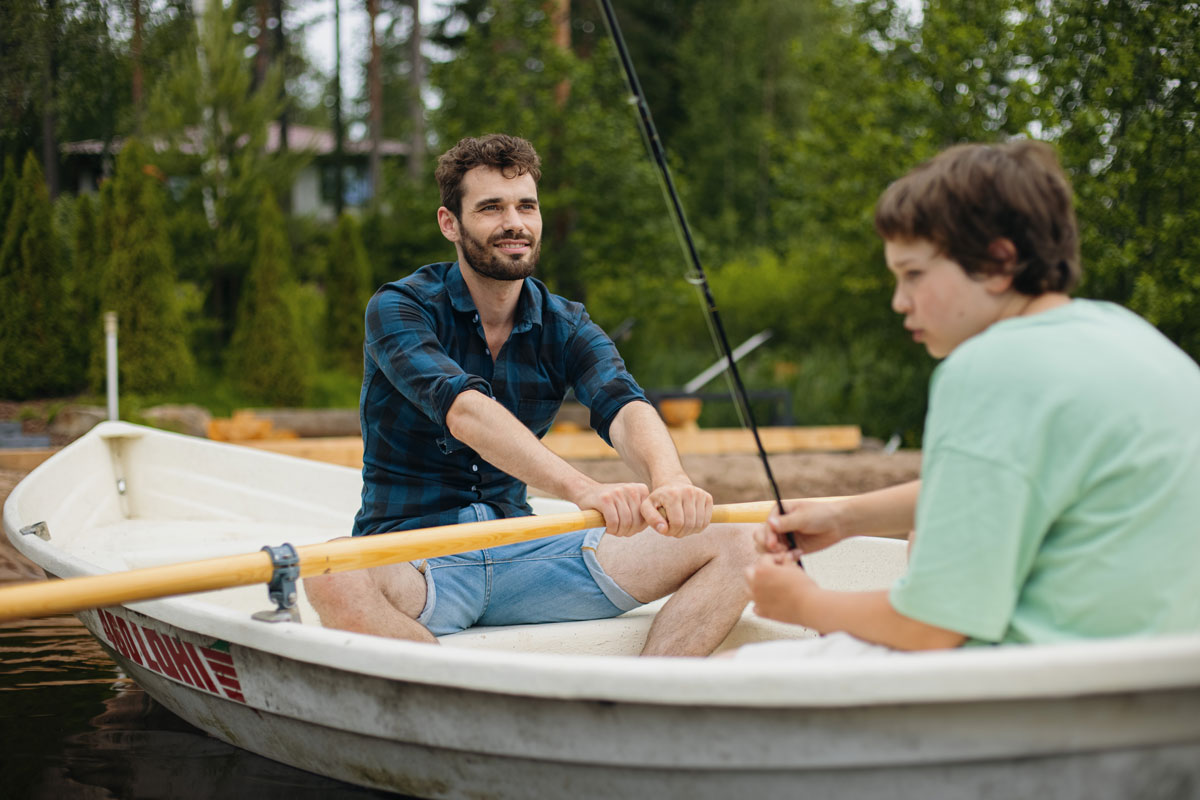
[425, 345]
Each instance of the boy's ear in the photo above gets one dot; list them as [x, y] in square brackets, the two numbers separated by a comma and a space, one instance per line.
[1003, 252]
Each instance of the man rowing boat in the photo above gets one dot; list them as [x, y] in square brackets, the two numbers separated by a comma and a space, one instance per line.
[466, 364]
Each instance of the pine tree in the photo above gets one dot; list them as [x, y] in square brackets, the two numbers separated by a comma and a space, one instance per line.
[347, 290]
[139, 281]
[266, 358]
[34, 329]
[86, 272]
[8, 190]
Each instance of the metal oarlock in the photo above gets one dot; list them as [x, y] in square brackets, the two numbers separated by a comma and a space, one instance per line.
[282, 588]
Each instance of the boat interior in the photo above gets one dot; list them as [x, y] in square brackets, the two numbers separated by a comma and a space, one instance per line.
[129, 497]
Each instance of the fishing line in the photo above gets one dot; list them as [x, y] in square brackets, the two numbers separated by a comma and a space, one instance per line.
[698, 277]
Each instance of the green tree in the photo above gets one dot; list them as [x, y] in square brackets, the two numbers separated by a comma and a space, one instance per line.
[87, 269]
[138, 281]
[267, 357]
[35, 332]
[215, 120]
[347, 290]
[742, 103]
[8, 190]
[1124, 81]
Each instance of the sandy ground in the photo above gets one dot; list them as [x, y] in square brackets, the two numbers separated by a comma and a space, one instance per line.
[731, 479]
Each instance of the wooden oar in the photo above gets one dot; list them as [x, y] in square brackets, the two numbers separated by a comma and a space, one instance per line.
[43, 599]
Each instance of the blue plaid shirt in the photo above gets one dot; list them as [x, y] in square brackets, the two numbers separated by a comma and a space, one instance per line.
[425, 345]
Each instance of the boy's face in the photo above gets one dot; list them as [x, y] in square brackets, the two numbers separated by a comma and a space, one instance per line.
[942, 305]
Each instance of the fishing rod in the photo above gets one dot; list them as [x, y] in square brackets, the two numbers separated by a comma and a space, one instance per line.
[650, 133]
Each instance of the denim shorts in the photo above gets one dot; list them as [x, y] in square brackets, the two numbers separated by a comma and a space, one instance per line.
[555, 579]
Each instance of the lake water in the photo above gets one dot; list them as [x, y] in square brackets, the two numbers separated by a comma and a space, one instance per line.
[72, 725]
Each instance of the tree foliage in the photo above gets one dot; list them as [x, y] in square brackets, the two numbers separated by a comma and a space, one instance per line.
[215, 121]
[347, 290]
[138, 280]
[34, 327]
[268, 359]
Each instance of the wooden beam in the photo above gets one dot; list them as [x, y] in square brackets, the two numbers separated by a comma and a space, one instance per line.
[572, 445]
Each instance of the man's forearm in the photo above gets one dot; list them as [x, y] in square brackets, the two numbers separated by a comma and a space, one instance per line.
[643, 442]
[503, 441]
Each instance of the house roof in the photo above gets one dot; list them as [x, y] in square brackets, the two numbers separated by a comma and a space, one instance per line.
[303, 138]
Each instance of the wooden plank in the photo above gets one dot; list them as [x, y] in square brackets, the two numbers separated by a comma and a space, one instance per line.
[579, 445]
[25, 459]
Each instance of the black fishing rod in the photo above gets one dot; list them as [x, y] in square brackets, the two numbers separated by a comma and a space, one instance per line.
[650, 133]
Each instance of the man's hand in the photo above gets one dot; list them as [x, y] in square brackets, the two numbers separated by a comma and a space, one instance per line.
[621, 504]
[814, 524]
[678, 509]
[779, 590]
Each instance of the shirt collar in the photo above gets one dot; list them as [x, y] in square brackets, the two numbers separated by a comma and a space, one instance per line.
[529, 304]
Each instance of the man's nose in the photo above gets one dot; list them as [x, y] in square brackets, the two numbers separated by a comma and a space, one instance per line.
[900, 301]
[512, 220]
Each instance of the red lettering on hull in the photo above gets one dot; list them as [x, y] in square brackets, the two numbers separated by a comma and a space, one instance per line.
[201, 668]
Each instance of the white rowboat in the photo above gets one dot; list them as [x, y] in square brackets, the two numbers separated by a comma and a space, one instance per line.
[565, 710]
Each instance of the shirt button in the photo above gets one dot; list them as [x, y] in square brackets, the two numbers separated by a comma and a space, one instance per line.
[475, 318]
[475, 489]
[474, 468]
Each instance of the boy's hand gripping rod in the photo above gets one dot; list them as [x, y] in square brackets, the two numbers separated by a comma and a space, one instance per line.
[646, 123]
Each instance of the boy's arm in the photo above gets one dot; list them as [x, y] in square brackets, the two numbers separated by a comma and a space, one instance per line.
[782, 592]
[817, 524]
[643, 442]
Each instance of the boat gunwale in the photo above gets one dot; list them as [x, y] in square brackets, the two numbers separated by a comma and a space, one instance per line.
[1071, 669]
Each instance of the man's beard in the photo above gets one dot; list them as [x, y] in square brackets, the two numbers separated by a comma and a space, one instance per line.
[489, 263]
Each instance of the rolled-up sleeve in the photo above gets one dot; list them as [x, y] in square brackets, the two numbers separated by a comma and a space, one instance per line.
[401, 339]
[598, 375]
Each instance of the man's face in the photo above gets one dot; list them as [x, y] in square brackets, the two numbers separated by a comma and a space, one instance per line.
[942, 305]
[499, 233]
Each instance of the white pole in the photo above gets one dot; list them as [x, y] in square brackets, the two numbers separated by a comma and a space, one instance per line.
[110, 352]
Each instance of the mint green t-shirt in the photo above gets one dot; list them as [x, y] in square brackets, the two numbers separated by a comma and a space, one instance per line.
[1060, 483]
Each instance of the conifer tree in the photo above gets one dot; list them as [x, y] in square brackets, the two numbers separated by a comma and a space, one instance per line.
[347, 290]
[266, 358]
[8, 190]
[86, 272]
[34, 329]
[138, 281]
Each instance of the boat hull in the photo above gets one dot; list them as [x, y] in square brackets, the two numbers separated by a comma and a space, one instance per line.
[562, 710]
[434, 741]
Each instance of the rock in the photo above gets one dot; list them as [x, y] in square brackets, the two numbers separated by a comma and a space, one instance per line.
[74, 421]
[190, 419]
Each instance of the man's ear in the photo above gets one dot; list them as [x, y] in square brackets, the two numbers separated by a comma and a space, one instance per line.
[448, 223]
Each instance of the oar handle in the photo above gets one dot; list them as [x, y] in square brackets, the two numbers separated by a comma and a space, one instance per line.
[48, 598]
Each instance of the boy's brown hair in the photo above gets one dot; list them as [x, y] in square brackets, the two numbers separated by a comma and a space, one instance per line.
[965, 198]
[511, 155]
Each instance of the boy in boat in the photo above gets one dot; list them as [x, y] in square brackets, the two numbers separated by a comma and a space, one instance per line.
[1059, 496]
[466, 365]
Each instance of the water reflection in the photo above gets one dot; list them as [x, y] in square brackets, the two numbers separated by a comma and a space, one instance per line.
[73, 726]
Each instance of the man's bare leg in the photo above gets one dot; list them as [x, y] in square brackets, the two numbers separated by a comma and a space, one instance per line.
[383, 601]
[705, 571]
